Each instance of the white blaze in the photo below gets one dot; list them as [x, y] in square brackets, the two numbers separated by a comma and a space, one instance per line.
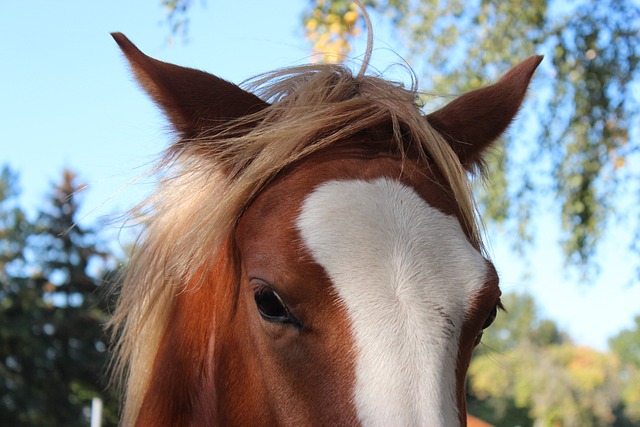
[406, 273]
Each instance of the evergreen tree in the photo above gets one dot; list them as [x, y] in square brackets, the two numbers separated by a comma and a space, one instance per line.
[53, 347]
[18, 296]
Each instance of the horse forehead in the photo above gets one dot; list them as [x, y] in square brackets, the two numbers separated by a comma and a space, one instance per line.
[269, 228]
[384, 227]
[408, 276]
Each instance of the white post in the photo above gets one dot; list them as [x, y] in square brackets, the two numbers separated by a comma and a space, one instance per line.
[96, 412]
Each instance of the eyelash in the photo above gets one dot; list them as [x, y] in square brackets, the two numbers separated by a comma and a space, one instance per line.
[490, 319]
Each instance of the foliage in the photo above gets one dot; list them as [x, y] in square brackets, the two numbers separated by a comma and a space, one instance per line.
[560, 384]
[527, 372]
[177, 16]
[585, 104]
[13, 223]
[52, 351]
[330, 26]
[626, 345]
[521, 324]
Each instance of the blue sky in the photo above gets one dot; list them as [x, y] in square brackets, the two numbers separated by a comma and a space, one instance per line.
[67, 100]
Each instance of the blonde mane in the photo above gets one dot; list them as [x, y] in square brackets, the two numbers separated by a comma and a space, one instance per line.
[207, 182]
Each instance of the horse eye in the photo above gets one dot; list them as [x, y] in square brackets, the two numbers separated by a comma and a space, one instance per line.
[491, 318]
[489, 321]
[270, 306]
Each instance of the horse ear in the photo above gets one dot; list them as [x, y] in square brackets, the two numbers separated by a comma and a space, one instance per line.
[473, 121]
[191, 99]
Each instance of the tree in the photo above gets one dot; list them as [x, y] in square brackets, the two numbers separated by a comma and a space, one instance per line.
[521, 324]
[52, 349]
[493, 399]
[585, 104]
[626, 345]
[581, 153]
[15, 296]
[13, 227]
[530, 374]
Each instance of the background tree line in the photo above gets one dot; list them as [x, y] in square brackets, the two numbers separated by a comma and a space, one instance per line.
[54, 352]
[527, 372]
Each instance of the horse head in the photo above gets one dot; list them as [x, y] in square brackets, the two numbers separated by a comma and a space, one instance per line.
[312, 255]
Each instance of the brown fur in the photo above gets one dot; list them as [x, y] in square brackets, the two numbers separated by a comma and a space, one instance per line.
[191, 345]
[490, 110]
[186, 94]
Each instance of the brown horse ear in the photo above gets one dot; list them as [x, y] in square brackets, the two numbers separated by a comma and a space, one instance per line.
[191, 99]
[473, 121]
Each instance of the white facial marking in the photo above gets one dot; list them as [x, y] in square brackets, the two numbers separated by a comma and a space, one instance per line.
[406, 273]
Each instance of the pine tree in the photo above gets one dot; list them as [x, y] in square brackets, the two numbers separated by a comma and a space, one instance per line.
[53, 345]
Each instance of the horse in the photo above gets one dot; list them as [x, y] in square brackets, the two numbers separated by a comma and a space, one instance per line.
[312, 254]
